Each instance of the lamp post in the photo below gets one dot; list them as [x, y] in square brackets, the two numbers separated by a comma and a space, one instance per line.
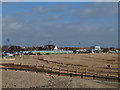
[7, 44]
[79, 44]
[49, 42]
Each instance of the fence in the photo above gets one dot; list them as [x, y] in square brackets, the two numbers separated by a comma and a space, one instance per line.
[59, 71]
[50, 52]
[85, 68]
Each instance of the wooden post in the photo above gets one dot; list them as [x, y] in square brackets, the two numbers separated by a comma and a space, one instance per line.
[118, 79]
[85, 71]
[67, 70]
[59, 69]
[76, 71]
[81, 76]
[93, 77]
[59, 72]
[28, 65]
[106, 78]
[43, 67]
[109, 71]
[108, 74]
[51, 68]
[70, 74]
[47, 72]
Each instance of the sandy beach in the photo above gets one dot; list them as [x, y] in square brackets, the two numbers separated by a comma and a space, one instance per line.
[22, 79]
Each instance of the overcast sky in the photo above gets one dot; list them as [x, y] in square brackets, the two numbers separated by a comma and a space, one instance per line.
[64, 24]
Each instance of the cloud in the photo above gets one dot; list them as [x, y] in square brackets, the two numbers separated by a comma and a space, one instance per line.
[105, 0]
[60, 32]
[97, 10]
[60, 26]
[15, 25]
[49, 9]
[11, 0]
[60, 0]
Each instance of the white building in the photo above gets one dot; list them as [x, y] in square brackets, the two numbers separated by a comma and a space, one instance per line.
[96, 48]
[56, 48]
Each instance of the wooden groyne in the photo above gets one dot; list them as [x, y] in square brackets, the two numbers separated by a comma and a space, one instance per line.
[58, 71]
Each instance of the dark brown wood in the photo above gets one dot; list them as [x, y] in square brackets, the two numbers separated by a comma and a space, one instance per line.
[51, 69]
[93, 77]
[106, 78]
[70, 74]
[81, 76]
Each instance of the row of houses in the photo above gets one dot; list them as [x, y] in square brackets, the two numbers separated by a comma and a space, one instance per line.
[53, 49]
[92, 49]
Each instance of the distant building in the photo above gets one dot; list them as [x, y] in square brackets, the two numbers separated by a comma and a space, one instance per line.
[49, 47]
[39, 48]
[96, 49]
[68, 48]
[56, 48]
[84, 50]
[45, 47]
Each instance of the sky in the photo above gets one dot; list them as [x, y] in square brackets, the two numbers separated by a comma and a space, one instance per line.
[60, 0]
[76, 24]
